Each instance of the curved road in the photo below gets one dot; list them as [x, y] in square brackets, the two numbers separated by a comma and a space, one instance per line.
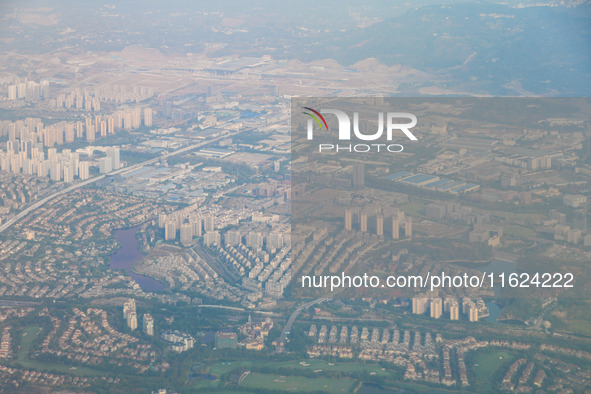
[294, 316]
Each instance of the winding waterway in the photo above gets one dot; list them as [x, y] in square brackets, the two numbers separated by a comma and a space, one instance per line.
[128, 255]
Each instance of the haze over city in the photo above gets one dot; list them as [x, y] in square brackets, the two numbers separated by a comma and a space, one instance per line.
[176, 206]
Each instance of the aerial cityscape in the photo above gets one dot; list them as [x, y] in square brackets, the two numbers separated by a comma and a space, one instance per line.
[177, 214]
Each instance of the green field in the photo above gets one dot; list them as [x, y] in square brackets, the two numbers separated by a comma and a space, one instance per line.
[221, 368]
[203, 386]
[257, 380]
[27, 337]
[487, 363]
[282, 383]
[415, 208]
[576, 326]
[314, 365]
[571, 316]
[516, 231]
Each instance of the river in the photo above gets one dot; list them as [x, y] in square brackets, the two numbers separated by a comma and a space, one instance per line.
[128, 255]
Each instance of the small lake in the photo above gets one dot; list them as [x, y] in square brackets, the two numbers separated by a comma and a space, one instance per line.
[128, 255]
[493, 312]
[497, 267]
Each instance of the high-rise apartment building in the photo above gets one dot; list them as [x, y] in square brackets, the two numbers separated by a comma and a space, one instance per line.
[148, 324]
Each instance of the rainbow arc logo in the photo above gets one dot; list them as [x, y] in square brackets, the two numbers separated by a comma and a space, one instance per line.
[315, 115]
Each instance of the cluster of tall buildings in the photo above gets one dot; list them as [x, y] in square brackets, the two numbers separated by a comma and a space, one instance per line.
[255, 240]
[21, 157]
[437, 307]
[102, 126]
[111, 162]
[274, 189]
[84, 99]
[130, 317]
[189, 225]
[27, 139]
[194, 221]
[93, 127]
[120, 93]
[77, 99]
[378, 222]
[28, 90]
